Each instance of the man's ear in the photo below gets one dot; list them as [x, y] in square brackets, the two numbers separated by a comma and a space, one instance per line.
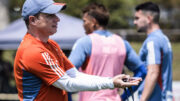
[94, 20]
[150, 18]
[32, 20]
[96, 24]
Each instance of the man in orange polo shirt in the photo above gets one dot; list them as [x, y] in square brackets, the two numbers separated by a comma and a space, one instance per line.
[42, 71]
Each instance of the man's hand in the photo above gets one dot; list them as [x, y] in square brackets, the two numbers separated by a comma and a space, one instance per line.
[122, 80]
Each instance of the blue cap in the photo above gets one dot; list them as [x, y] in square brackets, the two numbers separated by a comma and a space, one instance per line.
[32, 7]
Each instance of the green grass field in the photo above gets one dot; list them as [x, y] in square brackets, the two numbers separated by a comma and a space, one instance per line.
[8, 55]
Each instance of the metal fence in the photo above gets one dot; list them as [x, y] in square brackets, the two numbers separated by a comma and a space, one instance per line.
[133, 35]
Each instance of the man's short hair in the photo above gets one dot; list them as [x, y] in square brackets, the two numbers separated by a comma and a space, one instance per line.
[150, 7]
[99, 12]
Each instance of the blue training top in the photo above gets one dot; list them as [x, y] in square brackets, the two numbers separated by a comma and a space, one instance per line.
[156, 49]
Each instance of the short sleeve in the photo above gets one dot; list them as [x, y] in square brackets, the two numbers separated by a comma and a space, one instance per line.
[63, 60]
[43, 65]
[132, 60]
[67, 63]
[153, 52]
[81, 50]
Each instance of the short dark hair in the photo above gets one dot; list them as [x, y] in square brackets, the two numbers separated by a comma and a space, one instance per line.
[99, 12]
[150, 7]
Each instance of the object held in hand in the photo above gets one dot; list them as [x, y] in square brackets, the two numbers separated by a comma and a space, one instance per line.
[132, 79]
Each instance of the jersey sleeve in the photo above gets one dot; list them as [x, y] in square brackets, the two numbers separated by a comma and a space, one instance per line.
[81, 49]
[67, 63]
[132, 60]
[43, 65]
[153, 52]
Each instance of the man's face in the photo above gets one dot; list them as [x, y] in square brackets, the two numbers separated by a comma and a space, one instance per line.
[141, 21]
[88, 23]
[47, 23]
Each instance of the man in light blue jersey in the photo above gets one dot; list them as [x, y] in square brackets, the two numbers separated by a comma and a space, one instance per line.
[156, 52]
[103, 53]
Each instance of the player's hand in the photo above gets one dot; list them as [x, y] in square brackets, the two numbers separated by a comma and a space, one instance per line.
[122, 80]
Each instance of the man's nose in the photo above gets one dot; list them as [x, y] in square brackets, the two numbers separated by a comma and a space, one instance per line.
[134, 22]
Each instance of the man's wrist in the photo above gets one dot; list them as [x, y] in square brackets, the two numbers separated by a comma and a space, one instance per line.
[111, 83]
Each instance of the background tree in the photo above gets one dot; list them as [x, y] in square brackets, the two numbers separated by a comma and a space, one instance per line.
[121, 11]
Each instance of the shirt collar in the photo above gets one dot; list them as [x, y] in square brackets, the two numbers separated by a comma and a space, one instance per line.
[103, 32]
[154, 32]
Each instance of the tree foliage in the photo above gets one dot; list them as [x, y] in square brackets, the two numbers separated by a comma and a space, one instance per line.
[121, 11]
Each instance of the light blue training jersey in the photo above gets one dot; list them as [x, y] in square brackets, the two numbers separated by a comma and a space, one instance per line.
[156, 49]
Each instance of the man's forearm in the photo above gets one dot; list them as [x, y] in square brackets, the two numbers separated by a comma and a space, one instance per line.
[82, 84]
[150, 82]
[75, 81]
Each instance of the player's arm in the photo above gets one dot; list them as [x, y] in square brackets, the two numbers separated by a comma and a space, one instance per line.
[74, 81]
[80, 51]
[133, 62]
[150, 81]
[153, 59]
